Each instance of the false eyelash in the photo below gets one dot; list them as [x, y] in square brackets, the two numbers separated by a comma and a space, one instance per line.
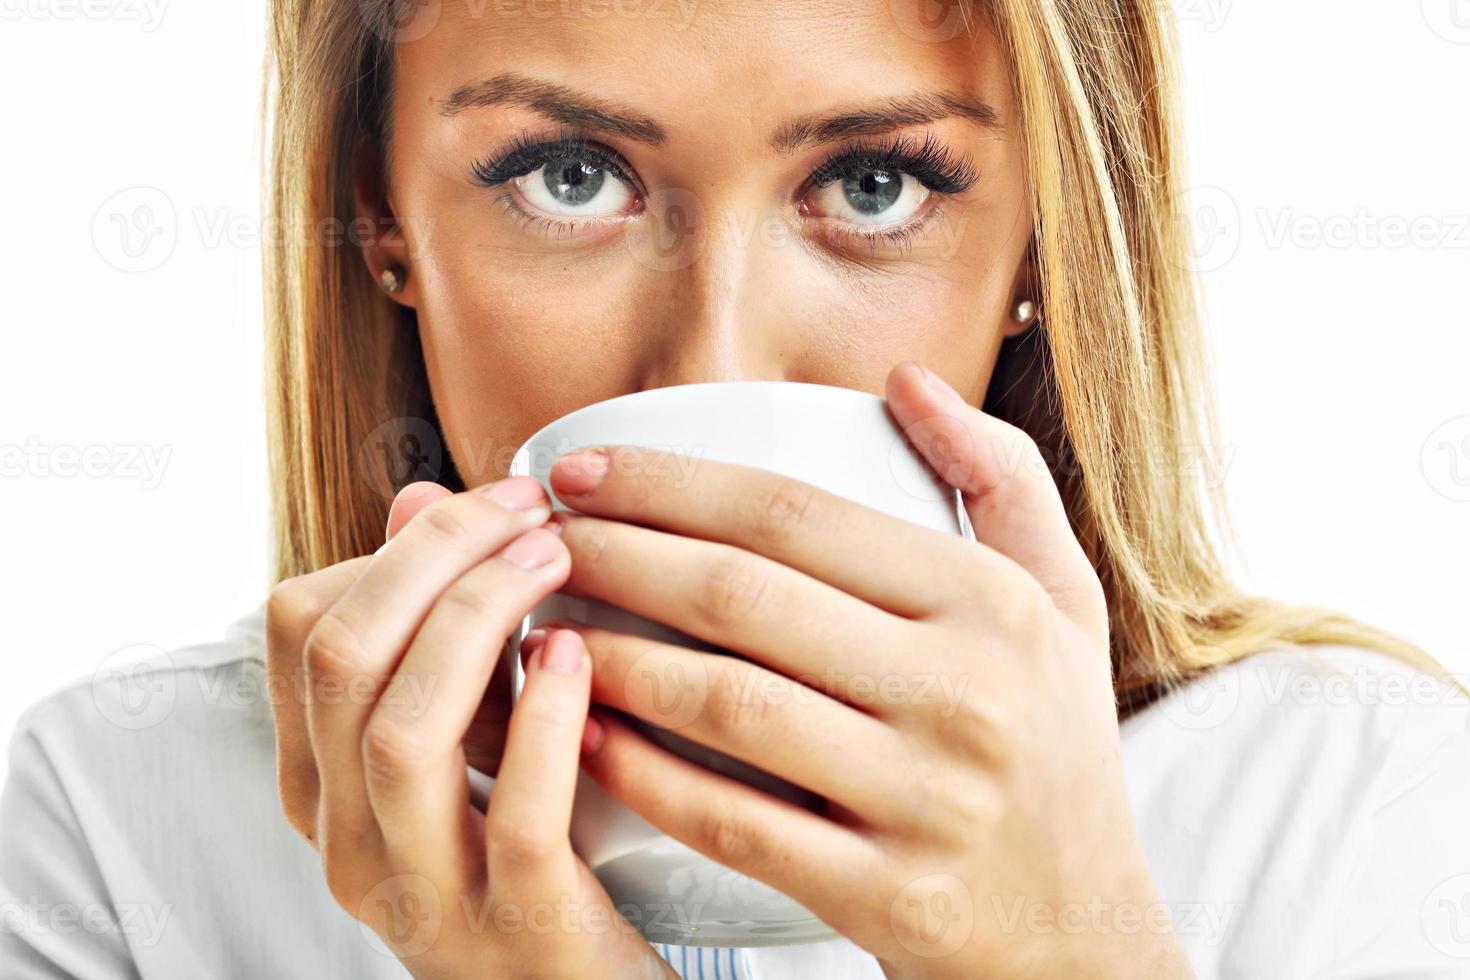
[526, 153]
[930, 163]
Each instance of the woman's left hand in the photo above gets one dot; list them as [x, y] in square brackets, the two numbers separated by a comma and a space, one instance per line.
[951, 699]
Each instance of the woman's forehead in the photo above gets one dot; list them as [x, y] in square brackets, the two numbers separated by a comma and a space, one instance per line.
[739, 62]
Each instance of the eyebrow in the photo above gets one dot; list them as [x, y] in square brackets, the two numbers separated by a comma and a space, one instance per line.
[565, 105]
[884, 116]
[558, 103]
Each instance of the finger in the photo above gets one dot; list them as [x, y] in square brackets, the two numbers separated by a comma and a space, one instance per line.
[734, 599]
[486, 735]
[356, 645]
[293, 608]
[485, 740]
[762, 718]
[410, 500]
[887, 561]
[815, 860]
[528, 850]
[1008, 490]
[412, 743]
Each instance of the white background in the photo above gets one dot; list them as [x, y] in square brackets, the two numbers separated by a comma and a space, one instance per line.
[1329, 143]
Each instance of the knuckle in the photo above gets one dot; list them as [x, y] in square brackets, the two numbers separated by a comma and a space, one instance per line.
[443, 522]
[734, 707]
[728, 835]
[516, 843]
[391, 751]
[332, 648]
[471, 599]
[587, 537]
[784, 511]
[732, 591]
[290, 609]
[637, 475]
[986, 731]
[340, 874]
[1026, 606]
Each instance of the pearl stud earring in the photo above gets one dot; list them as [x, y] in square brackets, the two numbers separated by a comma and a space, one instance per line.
[392, 279]
[1024, 311]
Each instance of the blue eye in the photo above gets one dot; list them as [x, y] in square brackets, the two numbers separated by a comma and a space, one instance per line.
[565, 177]
[570, 187]
[889, 182]
[571, 182]
[870, 196]
[873, 193]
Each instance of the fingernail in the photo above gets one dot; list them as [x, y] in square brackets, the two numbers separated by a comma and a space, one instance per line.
[532, 549]
[579, 472]
[592, 735]
[533, 641]
[939, 384]
[516, 492]
[562, 653]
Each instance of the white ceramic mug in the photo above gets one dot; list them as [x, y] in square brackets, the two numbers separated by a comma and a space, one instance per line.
[839, 439]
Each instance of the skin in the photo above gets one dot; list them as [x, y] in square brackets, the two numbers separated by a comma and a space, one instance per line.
[1017, 776]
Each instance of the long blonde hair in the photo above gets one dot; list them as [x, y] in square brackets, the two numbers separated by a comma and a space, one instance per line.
[1114, 384]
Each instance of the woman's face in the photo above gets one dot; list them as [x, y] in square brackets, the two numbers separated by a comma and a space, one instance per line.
[802, 190]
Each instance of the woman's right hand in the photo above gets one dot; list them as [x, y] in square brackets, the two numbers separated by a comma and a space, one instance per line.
[383, 661]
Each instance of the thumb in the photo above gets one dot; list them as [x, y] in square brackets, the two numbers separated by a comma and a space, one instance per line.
[410, 500]
[1008, 491]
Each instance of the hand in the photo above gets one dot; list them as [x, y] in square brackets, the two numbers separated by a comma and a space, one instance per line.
[393, 653]
[951, 699]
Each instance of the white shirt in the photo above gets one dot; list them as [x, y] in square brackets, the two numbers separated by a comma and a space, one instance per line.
[1304, 816]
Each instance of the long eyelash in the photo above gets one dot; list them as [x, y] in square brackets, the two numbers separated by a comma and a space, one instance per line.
[930, 162]
[902, 236]
[527, 153]
[547, 226]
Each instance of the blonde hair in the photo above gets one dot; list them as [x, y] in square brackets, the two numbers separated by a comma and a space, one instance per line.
[1113, 385]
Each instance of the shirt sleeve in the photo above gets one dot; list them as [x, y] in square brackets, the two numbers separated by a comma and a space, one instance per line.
[1405, 912]
[56, 917]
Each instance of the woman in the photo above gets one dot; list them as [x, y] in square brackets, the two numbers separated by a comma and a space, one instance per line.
[492, 214]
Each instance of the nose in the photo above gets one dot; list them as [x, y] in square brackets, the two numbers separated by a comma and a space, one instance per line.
[717, 281]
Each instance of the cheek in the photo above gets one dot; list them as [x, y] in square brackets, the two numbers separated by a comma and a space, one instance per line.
[517, 333]
[511, 345]
[942, 317]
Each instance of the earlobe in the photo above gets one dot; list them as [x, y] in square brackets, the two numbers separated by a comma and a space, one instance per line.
[1025, 311]
[381, 238]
